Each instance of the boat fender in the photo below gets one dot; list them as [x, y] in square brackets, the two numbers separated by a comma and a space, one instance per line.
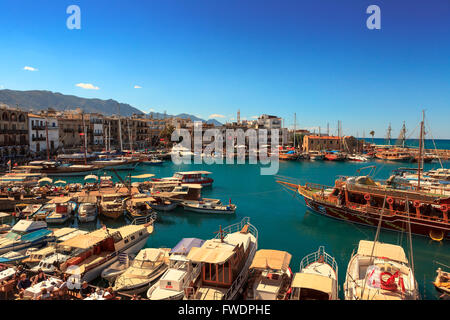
[367, 197]
[416, 204]
[390, 200]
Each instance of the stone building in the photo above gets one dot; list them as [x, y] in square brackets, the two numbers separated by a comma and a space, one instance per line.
[14, 140]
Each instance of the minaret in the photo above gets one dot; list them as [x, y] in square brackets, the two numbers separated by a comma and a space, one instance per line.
[239, 116]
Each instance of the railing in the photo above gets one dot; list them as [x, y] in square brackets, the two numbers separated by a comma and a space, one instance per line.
[38, 138]
[145, 219]
[319, 256]
[239, 226]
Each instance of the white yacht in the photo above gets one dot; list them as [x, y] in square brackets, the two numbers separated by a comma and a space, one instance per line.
[25, 234]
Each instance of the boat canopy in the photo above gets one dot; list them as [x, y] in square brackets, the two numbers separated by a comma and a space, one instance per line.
[4, 215]
[45, 180]
[212, 251]
[91, 176]
[60, 200]
[27, 225]
[33, 236]
[87, 199]
[60, 181]
[85, 241]
[313, 281]
[186, 244]
[271, 259]
[390, 251]
[143, 176]
[149, 254]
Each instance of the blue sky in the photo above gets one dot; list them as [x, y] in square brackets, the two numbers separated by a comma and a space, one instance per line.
[209, 57]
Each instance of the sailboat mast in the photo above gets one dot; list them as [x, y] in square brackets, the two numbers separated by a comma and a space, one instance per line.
[295, 127]
[85, 139]
[129, 136]
[120, 129]
[419, 160]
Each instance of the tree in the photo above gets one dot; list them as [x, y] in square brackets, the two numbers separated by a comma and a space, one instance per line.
[372, 133]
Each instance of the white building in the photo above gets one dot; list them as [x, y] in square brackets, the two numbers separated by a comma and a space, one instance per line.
[97, 128]
[39, 128]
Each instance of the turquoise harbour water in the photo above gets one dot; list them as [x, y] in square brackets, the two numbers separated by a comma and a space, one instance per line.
[282, 219]
[429, 143]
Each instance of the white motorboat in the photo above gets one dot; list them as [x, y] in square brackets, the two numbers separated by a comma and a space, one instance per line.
[180, 275]
[317, 278]
[161, 204]
[379, 271]
[15, 257]
[208, 207]
[146, 268]
[88, 209]
[25, 234]
[63, 211]
[357, 157]
[117, 268]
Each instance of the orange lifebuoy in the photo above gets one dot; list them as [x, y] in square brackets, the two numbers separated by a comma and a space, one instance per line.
[367, 197]
[390, 200]
[416, 204]
[444, 208]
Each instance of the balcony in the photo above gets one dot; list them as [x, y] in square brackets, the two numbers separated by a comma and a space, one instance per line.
[37, 127]
[14, 131]
[38, 139]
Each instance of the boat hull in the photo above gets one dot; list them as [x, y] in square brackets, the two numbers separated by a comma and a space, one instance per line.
[389, 222]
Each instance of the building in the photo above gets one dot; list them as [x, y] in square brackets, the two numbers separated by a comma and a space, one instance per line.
[43, 132]
[329, 143]
[14, 142]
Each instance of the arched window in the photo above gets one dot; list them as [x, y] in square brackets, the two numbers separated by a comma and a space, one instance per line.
[21, 118]
[5, 116]
[13, 117]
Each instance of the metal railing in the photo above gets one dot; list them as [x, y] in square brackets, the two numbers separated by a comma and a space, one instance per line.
[236, 227]
[145, 219]
[319, 256]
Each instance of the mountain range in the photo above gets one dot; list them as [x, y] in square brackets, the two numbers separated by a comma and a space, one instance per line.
[35, 100]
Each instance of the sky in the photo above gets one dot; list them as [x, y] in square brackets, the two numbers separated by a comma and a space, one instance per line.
[211, 58]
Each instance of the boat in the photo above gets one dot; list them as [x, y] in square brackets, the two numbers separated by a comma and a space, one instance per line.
[56, 168]
[63, 211]
[25, 234]
[153, 162]
[379, 271]
[190, 177]
[147, 267]
[180, 273]
[138, 206]
[20, 179]
[225, 261]
[334, 156]
[42, 213]
[208, 207]
[317, 278]
[393, 154]
[4, 228]
[117, 164]
[93, 252]
[24, 210]
[87, 209]
[112, 205]
[15, 257]
[442, 281]
[106, 181]
[162, 204]
[37, 256]
[50, 264]
[316, 155]
[287, 155]
[117, 268]
[362, 200]
[357, 157]
[269, 276]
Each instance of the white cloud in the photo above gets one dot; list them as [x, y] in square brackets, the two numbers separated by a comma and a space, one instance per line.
[215, 115]
[137, 87]
[27, 68]
[254, 117]
[87, 86]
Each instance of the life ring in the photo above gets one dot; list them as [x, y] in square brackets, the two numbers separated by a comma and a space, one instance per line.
[416, 204]
[444, 208]
[367, 197]
[436, 235]
[390, 200]
[388, 284]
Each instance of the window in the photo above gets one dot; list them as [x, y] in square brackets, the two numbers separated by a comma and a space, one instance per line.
[132, 237]
[125, 241]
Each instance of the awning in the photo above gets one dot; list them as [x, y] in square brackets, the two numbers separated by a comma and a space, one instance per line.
[45, 180]
[143, 176]
[382, 250]
[91, 176]
[313, 281]
[186, 244]
[271, 259]
[60, 181]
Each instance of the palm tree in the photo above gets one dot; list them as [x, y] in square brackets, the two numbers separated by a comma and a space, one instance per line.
[372, 133]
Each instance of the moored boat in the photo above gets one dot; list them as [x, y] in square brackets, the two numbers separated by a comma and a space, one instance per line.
[208, 207]
[317, 278]
[379, 271]
[190, 177]
[87, 209]
[442, 281]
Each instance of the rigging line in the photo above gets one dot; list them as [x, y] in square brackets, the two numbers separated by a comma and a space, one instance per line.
[437, 262]
[409, 236]
[434, 143]
[375, 242]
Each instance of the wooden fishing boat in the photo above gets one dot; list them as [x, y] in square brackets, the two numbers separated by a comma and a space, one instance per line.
[379, 271]
[269, 276]
[442, 281]
[112, 205]
[316, 155]
[162, 204]
[393, 155]
[138, 206]
[317, 278]
[63, 211]
[225, 261]
[334, 156]
[87, 209]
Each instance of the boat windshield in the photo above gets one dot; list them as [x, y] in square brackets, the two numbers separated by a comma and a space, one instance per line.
[143, 264]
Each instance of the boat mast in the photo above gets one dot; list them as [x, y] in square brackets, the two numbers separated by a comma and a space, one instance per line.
[46, 138]
[130, 136]
[85, 138]
[295, 127]
[419, 160]
[388, 136]
[120, 129]
[109, 136]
